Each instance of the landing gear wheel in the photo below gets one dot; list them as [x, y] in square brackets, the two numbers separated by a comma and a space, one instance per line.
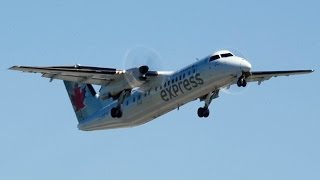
[116, 112]
[242, 82]
[119, 113]
[239, 83]
[200, 112]
[203, 112]
[206, 112]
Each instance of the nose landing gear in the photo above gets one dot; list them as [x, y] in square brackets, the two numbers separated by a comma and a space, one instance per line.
[242, 82]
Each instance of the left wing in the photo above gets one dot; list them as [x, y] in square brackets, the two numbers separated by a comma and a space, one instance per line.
[260, 76]
[82, 74]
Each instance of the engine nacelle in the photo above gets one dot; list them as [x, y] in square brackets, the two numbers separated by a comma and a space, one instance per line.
[133, 77]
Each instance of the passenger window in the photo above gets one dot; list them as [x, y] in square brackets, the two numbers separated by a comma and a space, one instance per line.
[139, 97]
[180, 77]
[215, 57]
[172, 81]
[134, 99]
[194, 71]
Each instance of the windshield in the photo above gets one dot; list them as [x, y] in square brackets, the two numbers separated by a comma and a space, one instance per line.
[226, 55]
[214, 57]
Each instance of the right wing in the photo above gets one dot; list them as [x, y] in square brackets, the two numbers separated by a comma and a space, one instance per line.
[259, 76]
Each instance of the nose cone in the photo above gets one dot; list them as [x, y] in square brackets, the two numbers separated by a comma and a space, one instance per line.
[245, 66]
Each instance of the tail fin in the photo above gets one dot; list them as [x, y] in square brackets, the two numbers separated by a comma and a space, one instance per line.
[83, 98]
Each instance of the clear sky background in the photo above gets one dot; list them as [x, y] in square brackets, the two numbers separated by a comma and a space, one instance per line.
[271, 131]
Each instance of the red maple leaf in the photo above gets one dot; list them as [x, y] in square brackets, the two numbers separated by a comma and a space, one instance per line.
[78, 98]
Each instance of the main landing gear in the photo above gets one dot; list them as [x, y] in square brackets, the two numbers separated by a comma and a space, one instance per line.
[116, 112]
[204, 111]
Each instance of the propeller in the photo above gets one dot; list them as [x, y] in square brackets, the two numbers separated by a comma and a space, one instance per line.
[140, 62]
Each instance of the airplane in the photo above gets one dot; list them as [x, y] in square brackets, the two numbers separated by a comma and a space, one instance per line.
[138, 95]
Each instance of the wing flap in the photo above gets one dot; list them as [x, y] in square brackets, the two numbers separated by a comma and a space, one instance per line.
[79, 79]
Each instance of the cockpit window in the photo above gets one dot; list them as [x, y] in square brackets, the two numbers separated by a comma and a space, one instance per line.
[226, 55]
[215, 57]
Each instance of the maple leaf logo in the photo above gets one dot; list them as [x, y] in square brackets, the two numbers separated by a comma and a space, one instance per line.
[78, 98]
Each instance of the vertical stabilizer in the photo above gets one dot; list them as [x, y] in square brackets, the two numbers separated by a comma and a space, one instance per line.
[83, 98]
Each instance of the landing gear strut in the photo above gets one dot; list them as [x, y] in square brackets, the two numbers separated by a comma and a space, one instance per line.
[116, 112]
[204, 111]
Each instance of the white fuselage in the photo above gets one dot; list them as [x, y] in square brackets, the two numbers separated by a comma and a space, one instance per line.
[168, 93]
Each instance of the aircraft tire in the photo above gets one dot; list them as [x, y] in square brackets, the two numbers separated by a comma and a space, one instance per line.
[200, 112]
[206, 112]
[114, 112]
[244, 83]
[239, 83]
[119, 113]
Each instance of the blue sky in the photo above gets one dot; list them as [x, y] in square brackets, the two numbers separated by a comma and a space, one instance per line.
[263, 132]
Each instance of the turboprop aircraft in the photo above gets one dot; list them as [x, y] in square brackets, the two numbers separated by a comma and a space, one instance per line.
[138, 95]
